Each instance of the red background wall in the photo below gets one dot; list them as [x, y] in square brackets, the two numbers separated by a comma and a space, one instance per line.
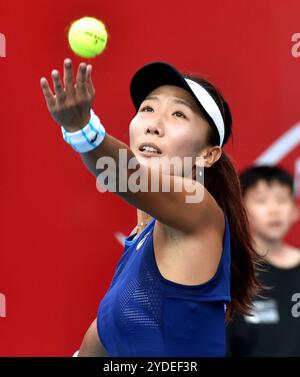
[58, 248]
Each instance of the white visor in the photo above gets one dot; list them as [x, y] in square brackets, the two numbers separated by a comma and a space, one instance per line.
[210, 106]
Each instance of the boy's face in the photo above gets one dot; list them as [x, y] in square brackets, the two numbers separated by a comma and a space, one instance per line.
[271, 210]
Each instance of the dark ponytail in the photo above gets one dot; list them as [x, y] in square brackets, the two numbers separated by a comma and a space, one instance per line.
[222, 174]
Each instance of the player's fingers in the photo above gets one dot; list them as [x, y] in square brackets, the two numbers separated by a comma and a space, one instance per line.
[81, 87]
[69, 77]
[90, 85]
[49, 96]
[58, 87]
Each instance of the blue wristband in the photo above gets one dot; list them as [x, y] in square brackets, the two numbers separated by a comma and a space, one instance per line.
[88, 138]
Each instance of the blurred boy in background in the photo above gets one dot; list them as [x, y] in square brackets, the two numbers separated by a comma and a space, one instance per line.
[274, 327]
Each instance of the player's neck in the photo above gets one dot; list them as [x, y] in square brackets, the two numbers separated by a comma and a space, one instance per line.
[142, 219]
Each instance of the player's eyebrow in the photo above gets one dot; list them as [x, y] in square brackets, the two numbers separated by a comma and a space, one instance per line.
[176, 100]
[182, 102]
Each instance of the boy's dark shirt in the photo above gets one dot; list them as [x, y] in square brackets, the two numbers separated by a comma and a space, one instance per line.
[275, 329]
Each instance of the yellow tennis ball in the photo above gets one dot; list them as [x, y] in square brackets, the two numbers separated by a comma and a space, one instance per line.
[87, 37]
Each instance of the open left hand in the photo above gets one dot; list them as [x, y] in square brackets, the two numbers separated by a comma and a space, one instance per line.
[70, 103]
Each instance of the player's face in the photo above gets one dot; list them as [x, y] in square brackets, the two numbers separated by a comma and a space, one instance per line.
[271, 210]
[171, 120]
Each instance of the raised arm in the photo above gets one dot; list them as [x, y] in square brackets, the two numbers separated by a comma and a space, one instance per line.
[70, 106]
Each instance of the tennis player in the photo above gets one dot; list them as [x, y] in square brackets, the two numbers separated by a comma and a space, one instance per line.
[189, 264]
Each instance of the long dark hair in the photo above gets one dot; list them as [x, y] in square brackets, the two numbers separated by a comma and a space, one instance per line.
[245, 262]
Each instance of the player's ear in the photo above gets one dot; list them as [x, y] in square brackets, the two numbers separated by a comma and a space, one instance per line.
[209, 156]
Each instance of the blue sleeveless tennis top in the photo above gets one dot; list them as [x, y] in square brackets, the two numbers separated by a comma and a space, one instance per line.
[144, 314]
